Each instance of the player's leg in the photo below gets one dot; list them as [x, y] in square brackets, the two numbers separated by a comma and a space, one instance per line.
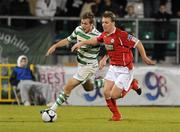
[120, 89]
[115, 94]
[135, 86]
[90, 85]
[126, 82]
[111, 103]
[63, 96]
[98, 82]
[85, 74]
[108, 85]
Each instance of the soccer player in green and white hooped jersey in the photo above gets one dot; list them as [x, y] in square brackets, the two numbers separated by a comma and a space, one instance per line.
[87, 57]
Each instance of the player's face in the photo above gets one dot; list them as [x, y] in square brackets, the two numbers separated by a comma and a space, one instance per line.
[107, 24]
[86, 25]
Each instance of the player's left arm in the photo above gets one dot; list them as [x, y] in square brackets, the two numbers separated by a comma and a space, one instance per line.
[142, 52]
[92, 41]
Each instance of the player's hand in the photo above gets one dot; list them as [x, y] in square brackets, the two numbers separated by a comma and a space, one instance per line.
[51, 50]
[148, 61]
[76, 47]
[102, 63]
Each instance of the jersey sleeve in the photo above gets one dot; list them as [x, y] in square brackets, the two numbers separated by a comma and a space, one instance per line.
[100, 38]
[73, 37]
[130, 40]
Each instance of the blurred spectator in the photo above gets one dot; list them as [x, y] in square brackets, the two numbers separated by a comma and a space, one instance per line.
[87, 7]
[60, 12]
[19, 8]
[109, 5]
[139, 9]
[161, 32]
[122, 6]
[150, 7]
[61, 7]
[95, 8]
[23, 78]
[177, 14]
[175, 6]
[46, 8]
[74, 7]
[32, 6]
[130, 12]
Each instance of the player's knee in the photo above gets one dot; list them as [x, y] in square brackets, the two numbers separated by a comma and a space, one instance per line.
[87, 89]
[106, 93]
[115, 95]
[88, 86]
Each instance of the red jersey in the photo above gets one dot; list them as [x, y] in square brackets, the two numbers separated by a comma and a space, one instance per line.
[119, 46]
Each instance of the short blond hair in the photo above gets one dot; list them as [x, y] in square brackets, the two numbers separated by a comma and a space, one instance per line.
[109, 14]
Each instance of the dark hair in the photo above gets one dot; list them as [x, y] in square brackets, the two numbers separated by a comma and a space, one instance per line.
[89, 16]
[109, 14]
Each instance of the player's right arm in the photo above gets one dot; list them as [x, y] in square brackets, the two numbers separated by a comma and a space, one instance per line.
[103, 61]
[60, 43]
[66, 41]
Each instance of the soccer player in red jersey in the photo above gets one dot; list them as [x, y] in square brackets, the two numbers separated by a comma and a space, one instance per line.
[119, 46]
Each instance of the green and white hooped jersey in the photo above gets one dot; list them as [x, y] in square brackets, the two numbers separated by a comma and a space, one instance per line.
[87, 54]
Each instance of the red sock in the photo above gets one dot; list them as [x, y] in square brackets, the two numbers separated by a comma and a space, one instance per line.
[111, 103]
[134, 86]
[124, 92]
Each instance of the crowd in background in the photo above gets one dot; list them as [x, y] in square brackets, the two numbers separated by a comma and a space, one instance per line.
[75, 8]
[162, 10]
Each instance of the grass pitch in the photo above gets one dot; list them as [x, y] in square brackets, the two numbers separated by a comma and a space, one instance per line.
[90, 119]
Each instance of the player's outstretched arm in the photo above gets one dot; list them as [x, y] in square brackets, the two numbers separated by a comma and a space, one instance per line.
[56, 45]
[92, 41]
[142, 52]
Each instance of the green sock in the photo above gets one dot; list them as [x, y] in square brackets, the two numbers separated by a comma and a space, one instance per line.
[59, 101]
[61, 98]
[99, 83]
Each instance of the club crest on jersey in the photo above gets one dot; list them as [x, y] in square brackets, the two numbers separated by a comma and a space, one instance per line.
[129, 36]
[112, 41]
[132, 38]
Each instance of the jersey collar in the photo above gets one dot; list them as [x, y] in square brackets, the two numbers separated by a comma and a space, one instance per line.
[112, 31]
[93, 30]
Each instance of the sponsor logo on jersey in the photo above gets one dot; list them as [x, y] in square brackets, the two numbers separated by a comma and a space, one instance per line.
[109, 46]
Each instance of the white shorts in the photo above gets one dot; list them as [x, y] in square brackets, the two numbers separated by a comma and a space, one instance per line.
[122, 76]
[86, 72]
